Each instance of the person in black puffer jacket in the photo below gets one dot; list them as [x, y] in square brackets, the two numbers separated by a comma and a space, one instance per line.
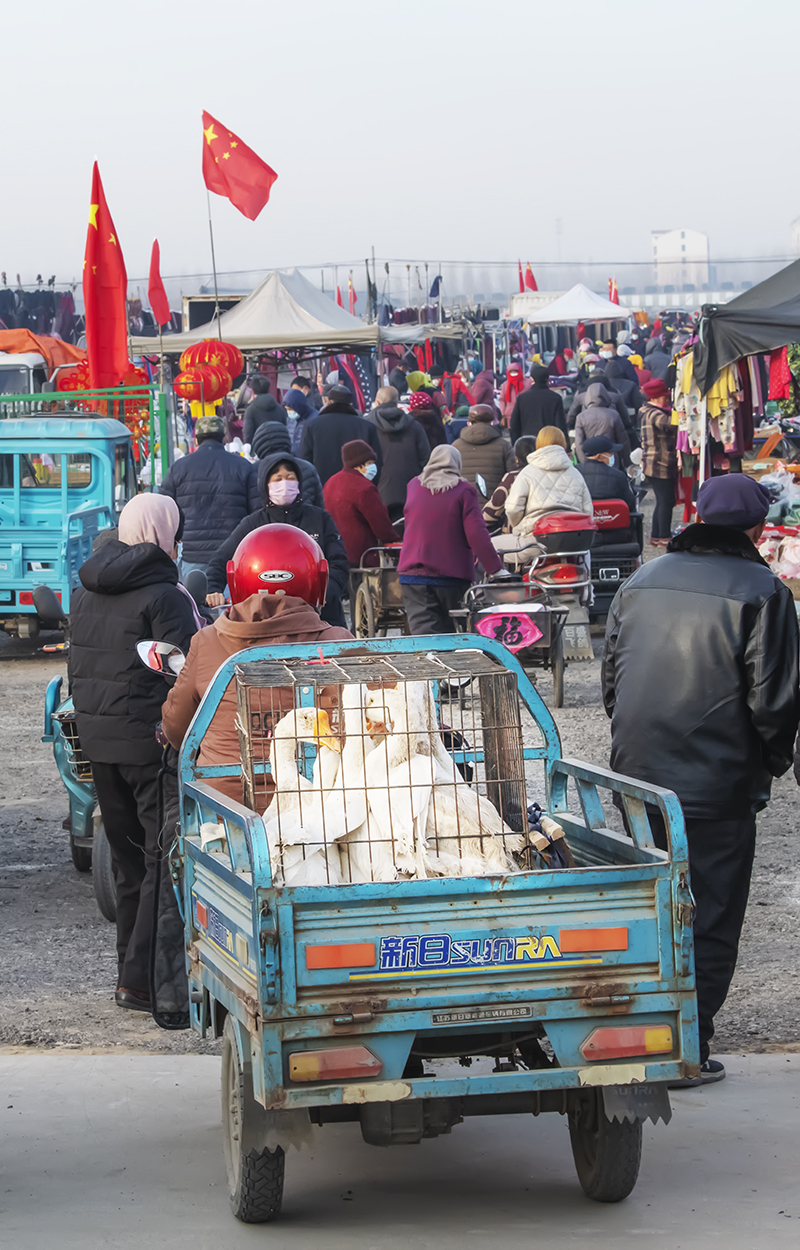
[263, 407]
[291, 509]
[405, 449]
[129, 593]
[700, 679]
[214, 490]
[322, 440]
[271, 437]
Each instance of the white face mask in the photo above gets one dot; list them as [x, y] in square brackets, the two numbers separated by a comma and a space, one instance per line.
[606, 355]
[371, 471]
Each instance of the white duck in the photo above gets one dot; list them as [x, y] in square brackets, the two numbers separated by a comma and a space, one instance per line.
[300, 823]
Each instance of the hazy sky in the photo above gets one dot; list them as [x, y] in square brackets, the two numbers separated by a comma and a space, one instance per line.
[450, 129]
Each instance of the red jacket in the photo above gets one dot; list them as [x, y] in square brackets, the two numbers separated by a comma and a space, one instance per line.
[359, 512]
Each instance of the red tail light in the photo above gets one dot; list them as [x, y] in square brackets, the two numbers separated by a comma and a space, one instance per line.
[340, 1063]
[624, 1042]
[26, 598]
[558, 573]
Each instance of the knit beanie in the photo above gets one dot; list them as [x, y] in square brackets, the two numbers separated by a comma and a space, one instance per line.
[419, 400]
[356, 453]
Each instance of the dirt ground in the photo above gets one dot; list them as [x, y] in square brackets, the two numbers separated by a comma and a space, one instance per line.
[57, 961]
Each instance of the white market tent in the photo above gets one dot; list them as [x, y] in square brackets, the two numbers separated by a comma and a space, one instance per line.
[578, 304]
[285, 311]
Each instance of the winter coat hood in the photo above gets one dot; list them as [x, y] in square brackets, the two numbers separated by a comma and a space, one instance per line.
[480, 432]
[271, 437]
[268, 408]
[264, 616]
[298, 402]
[117, 568]
[390, 419]
[342, 405]
[597, 396]
[551, 459]
[269, 465]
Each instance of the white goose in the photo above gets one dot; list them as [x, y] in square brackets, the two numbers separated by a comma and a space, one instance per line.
[465, 835]
[365, 856]
[300, 822]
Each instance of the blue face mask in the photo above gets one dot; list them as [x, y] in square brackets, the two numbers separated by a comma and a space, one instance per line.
[371, 471]
[611, 461]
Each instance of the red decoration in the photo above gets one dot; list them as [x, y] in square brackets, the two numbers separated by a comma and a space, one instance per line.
[521, 279]
[530, 281]
[212, 352]
[216, 383]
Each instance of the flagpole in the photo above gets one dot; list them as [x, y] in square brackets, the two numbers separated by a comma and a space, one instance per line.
[214, 266]
[161, 350]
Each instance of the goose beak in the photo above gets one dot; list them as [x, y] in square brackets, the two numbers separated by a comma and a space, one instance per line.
[324, 736]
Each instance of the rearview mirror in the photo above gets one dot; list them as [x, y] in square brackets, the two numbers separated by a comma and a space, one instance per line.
[161, 657]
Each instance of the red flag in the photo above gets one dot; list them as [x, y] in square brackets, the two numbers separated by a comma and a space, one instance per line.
[105, 285]
[530, 281]
[232, 169]
[339, 297]
[155, 288]
[352, 295]
[521, 281]
[613, 292]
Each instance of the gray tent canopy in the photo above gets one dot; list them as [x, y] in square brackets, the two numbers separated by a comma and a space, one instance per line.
[759, 320]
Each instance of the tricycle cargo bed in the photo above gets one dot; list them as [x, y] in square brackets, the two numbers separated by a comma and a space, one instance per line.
[443, 966]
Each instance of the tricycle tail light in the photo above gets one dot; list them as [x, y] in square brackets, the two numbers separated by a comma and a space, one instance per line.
[335, 1063]
[627, 1041]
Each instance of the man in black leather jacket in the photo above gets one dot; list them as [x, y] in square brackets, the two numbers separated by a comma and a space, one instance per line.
[700, 679]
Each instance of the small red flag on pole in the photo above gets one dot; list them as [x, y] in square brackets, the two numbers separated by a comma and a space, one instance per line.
[339, 296]
[613, 291]
[155, 288]
[521, 279]
[105, 288]
[232, 169]
[351, 291]
[530, 281]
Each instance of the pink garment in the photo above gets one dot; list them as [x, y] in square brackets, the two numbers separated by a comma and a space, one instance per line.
[154, 519]
[150, 519]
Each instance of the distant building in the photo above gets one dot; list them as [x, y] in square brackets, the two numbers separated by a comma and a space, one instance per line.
[680, 259]
[795, 234]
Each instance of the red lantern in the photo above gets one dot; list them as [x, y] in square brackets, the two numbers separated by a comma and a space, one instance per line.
[215, 382]
[212, 352]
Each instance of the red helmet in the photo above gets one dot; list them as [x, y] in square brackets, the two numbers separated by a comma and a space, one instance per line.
[282, 560]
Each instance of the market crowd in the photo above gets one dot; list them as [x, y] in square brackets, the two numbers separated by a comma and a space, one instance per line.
[700, 668]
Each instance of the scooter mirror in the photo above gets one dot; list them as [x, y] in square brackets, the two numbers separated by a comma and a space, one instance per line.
[161, 657]
[47, 605]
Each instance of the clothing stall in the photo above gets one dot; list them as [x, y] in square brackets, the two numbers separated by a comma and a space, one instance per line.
[744, 360]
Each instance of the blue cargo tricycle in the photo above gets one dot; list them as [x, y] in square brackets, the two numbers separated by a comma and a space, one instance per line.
[447, 962]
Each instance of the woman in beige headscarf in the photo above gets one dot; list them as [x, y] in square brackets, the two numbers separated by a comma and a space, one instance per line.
[129, 593]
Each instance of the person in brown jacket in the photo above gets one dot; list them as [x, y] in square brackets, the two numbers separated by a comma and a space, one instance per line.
[659, 456]
[255, 619]
[485, 453]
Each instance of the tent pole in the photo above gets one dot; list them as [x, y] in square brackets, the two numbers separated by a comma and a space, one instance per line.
[375, 282]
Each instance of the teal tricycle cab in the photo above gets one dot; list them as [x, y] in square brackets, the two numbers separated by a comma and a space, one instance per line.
[62, 481]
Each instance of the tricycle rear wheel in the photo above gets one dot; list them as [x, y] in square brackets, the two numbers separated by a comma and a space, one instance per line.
[607, 1153]
[255, 1177]
[105, 886]
[557, 665]
[363, 614]
[81, 855]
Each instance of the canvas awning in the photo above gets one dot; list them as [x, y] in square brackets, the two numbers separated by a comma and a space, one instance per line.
[579, 304]
[759, 320]
[285, 311]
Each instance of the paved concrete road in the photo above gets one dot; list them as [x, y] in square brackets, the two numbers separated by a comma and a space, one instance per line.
[124, 1151]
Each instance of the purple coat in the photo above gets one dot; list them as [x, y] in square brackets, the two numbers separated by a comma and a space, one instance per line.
[483, 390]
[444, 533]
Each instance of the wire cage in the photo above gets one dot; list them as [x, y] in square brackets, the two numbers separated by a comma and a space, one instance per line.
[78, 762]
[385, 767]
